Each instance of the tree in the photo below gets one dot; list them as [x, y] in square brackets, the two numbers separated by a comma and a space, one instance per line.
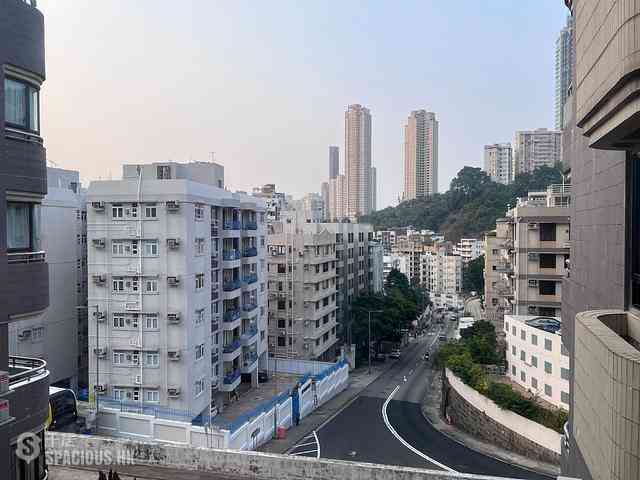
[473, 276]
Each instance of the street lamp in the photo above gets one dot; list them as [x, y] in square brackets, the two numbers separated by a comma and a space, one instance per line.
[369, 344]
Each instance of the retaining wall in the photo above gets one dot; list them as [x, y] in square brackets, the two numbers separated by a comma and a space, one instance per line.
[473, 412]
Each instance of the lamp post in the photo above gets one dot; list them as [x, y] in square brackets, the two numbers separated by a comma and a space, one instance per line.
[369, 343]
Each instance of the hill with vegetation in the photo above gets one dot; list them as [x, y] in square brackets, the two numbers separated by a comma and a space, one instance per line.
[469, 208]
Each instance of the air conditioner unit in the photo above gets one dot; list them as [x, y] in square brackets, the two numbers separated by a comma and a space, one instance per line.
[137, 380]
[173, 318]
[173, 243]
[100, 352]
[99, 279]
[173, 392]
[534, 257]
[532, 226]
[97, 205]
[24, 335]
[173, 206]
[98, 242]
[173, 281]
[173, 355]
[533, 283]
[100, 387]
[99, 316]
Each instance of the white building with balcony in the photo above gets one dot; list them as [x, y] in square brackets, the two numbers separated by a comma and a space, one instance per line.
[536, 358]
[469, 249]
[177, 287]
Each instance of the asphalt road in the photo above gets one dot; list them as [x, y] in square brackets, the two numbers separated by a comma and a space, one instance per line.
[359, 432]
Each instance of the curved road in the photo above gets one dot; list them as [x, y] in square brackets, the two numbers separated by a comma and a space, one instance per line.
[359, 432]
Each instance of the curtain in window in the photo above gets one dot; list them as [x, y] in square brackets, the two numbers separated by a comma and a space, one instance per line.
[18, 228]
[15, 102]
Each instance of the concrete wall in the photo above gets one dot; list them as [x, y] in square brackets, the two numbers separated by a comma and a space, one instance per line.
[478, 415]
[299, 367]
[240, 464]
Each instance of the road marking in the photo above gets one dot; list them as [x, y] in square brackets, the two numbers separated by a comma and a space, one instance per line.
[402, 440]
[410, 372]
[317, 443]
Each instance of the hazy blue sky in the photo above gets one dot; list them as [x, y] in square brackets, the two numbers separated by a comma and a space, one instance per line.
[264, 84]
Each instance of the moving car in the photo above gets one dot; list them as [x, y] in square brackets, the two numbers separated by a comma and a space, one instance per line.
[426, 356]
[442, 337]
[395, 353]
[63, 408]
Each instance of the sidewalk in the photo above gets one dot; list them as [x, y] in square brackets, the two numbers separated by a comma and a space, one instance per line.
[431, 413]
[359, 379]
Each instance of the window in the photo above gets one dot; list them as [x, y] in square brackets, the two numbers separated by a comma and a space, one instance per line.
[199, 281]
[164, 172]
[513, 370]
[19, 226]
[151, 248]
[118, 285]
[547, 232]
[118, 320]
[534, 361]
[523, 356]
[118, 394]
[547, 260]
[282, 323]
[523, 376]
[564, 373]
[199, 316]
[199, 351]
[534, 382]
[199, 246]
[548, 344]
[513, 350]
[151, 286]
[119, 358]
[117, 211]
[534, 339]
[199, 387]
[546, 287]
[150, 211]
[548, 391]
[547, 367]
[563, 350]
[151, 396]
[199, 212]
[281, 342]
[21, 105]
[523, 335]
[564, 398]
[513, 331]
[152, 359]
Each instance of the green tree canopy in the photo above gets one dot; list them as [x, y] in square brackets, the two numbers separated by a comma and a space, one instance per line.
[473, 275]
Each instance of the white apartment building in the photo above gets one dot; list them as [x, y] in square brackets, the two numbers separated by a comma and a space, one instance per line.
[357, 155]
[536, 148]
[533, 241]
[275, 202]
[177, 290]
[420, 155]
[498, 162]
[376, 271]
[441, 273]
[536, 358]
[311, 207]
[469, 249]
[58, 335]
[387, 238]
[393, 262]
[338, 198]
[301, 266]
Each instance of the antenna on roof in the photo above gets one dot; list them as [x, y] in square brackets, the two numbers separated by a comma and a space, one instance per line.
[213, 156]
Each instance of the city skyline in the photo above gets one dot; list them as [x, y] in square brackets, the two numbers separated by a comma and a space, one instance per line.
[234, 76]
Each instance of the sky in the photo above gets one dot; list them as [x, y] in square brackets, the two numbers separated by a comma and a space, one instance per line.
[264, 84]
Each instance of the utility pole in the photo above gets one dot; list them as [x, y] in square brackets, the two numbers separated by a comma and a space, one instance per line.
[369, 343]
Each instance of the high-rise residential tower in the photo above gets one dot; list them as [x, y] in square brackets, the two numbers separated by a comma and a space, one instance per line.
[325, 193]
[420, 155]
[498, 162]
[374, 193]
[357, 141]
[536, 148]
[334, 161]
[564, 68]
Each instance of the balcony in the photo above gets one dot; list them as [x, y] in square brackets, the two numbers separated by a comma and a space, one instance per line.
[249, 362]
[249, 226]
[28, 290]
[231, 255]
[249, 336]
[214, 228]
[231, 316]
[250, 252]
[230, 381]
[231, 351]
[231, 285]
[28, 392]
[249, 279]
[504, 267]
[231, 225]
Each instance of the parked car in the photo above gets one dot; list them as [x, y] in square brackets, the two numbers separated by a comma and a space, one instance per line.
[395, 353]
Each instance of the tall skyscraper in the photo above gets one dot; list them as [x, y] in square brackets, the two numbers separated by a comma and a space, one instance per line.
[357, 141]
[374, 186]
[564, 69]
[420, 155]
[325, 192]
[536, 148]
[498, 162]
[334, 161]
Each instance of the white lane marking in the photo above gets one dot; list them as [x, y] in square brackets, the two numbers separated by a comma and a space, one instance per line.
[305, 444]
[304, 452]
[410, 372]
[402, 440]
[317, 443]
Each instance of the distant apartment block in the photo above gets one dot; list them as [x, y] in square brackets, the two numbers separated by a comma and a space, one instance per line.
[334, 161]
[412, 248]
[325, 194]
[59, 334]
[311, 207]
[564, 70]
[275, 202]
[469, 249]
[441, 272]
[177, 288]
[301, 266]
[420, 155]
[536, 358]
[338, 198]
[387, 238]
[376, 272]
[393, 262]
[498, 162]
[357, 141]
[536, 148]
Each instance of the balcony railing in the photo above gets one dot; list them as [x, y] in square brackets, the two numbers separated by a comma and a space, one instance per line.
[249, 307]
[231, 347]
[250, 332]
[230, 255]
[249, 226]
[250, 358]
[231, 377]
[250, 252]
[231, 286]
[231, 225]
[26, 257]
[25, 368]
[250, 278]
[231, 316]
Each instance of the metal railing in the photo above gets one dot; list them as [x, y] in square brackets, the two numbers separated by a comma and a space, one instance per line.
[24, 368]
[249, 307]
[231, 255]
[250, 278]
[231, 225]
[231, 316]
[231, 377]
[26, 257]
[230, 286]
[250, 252]
[249, 226]
[231, 347]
